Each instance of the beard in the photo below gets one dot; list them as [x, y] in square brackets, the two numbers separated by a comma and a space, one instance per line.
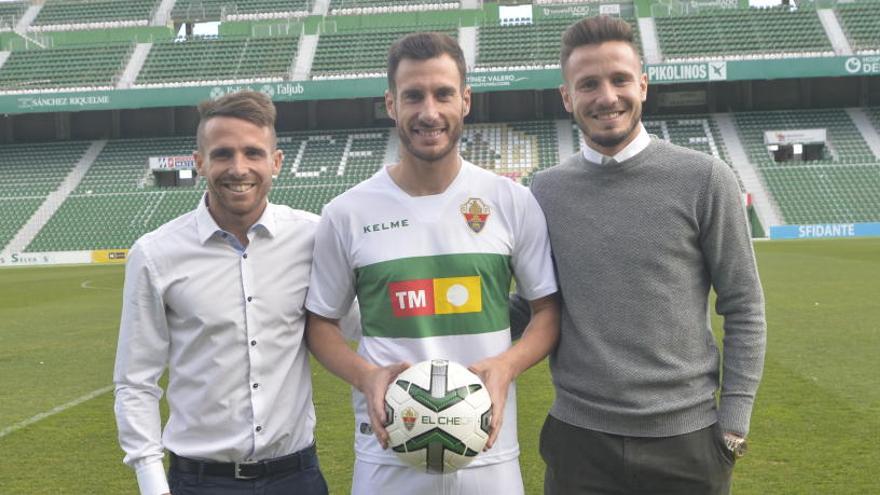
[608, 140]
[453, 134]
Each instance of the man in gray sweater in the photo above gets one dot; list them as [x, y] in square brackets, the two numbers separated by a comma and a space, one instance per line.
[641, 230]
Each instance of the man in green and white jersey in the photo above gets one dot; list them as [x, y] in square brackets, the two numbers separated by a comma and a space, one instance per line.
[429, 246]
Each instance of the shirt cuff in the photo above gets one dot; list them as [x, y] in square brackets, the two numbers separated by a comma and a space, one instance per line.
[151, 478]
[734, 415]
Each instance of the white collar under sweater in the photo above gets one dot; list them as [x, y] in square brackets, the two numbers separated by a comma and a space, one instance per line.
[635, 147]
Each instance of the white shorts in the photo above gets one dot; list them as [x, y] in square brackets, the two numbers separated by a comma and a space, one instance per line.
[380, 479]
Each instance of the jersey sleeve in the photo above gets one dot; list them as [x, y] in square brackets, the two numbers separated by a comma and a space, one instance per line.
[331, 285]
[532, 263]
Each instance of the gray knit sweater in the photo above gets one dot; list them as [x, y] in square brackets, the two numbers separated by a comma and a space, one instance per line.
[637, 246]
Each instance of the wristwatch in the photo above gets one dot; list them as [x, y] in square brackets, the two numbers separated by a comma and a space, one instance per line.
[737, 445]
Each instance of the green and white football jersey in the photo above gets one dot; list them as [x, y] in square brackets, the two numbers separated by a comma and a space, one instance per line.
[432, 276]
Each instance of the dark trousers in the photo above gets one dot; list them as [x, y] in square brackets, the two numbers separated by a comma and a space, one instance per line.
[306, 481]
[581, 461]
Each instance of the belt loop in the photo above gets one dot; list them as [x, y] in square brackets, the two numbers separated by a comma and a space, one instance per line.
[201, 471]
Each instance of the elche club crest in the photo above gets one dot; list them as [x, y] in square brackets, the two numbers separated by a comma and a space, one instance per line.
[476, 213]
[409, 417]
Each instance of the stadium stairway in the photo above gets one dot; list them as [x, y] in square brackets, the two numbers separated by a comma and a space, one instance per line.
[163, 13]
[392, 149]
[650, 44]
[305, 55]
[869, 133]
[565, 140]
[53, 201]
[766, 209]
[134, 66]
[27, 18]
[834, 32]
[321, 7]
[467, 39]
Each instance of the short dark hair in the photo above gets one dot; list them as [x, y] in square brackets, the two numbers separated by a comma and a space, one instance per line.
[424, 46]
[594, 31]
[251, 106]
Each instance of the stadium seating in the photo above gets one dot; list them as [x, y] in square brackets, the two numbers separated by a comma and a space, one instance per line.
[874, 115]
[9, 14]
[742, 33]
[697, 132]
[529, 45]
[29, 172]
[16, 211]
[515, 150]
[215, 10]
[361, 53]
[841, 187]
[121, 167]
[68, 14]
[346, 7]
[319, 165]
[36, 170]
[238, 59]
[119, 189]
[82, 66]
[831, 194]
[861, 22]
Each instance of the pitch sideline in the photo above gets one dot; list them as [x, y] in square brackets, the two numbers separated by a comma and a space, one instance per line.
[55, 410]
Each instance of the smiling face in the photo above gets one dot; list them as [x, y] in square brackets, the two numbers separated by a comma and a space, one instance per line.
[237, 159]
[604, 89]
[429, 105]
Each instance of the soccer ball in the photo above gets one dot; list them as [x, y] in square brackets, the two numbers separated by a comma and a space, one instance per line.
[438, 416]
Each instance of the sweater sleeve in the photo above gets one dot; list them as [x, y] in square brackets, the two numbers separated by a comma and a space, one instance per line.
[730, 259]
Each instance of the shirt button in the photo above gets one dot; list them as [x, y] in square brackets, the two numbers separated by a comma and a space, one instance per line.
[256, 385]
[249, 299]
[244, 256]
[259, 429]
[253, 342]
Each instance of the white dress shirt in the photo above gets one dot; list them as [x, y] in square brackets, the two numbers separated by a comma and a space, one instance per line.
[635, 147]
[228, 323]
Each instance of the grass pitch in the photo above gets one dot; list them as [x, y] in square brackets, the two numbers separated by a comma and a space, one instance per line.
[814, 429]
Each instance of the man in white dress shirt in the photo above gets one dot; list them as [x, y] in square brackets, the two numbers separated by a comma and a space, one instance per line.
[216, 296]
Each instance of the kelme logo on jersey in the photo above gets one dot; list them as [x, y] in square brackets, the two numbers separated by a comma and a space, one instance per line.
[436, 296]
[476, 213]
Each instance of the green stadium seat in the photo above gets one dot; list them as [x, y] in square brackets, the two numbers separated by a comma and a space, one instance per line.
[529, 45]
[81, 66]
[28, 173]
[199, 60]
[361, 53]
[839, 188]
[359, 7]
[216, 10]
[861, 23]
[742, 33]
[59, 15]
[10, 12]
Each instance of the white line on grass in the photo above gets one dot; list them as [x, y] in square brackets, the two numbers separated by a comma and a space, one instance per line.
[87, 284]
[55, 410]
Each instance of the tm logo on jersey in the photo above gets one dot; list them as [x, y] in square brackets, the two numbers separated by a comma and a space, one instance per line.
[436, 296]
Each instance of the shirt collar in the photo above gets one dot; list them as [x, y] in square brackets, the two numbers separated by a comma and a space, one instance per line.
[635, 147]
[208, 228]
